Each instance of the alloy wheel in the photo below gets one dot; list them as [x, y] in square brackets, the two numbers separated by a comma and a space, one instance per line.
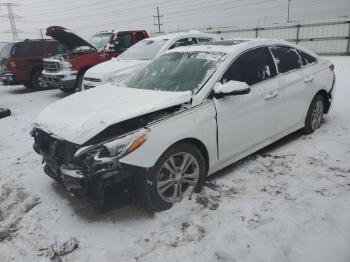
[317, 114]
[178, 175]
[41, 81]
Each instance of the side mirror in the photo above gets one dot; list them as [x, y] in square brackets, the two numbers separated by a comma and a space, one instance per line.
[231, 88]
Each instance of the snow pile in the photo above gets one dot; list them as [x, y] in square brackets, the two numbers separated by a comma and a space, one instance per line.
[288, 202]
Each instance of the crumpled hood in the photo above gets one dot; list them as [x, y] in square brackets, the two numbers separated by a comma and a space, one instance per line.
[83, 115]
[113, 67]
[66, 37]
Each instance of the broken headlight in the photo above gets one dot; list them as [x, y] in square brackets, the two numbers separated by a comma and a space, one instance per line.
[113, 149]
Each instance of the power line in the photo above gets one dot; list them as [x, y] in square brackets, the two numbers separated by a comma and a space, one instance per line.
[12, 17]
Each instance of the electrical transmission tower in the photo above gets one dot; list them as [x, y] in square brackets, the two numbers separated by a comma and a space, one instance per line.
[158, 24]
[288, 16]
[12, 17]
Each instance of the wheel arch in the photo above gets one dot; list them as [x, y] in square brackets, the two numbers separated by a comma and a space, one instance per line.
[326, 98]
[198, 144]
[36, 69]
[84, 69]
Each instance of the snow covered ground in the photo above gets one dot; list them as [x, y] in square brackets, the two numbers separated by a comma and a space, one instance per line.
[289, 202]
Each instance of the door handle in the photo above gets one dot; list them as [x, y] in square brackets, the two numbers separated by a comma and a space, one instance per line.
[271, 95]
[308, 79]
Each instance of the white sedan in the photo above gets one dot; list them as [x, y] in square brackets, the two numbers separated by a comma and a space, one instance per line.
[189, 113]
[140, 54]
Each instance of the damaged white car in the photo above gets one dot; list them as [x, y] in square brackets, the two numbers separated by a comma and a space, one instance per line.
[187, 114]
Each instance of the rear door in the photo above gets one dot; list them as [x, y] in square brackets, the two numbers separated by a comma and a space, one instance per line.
[292, 88]
[27, 55]
[248, 120]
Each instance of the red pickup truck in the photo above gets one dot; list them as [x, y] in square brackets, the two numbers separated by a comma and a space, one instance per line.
[66, 71]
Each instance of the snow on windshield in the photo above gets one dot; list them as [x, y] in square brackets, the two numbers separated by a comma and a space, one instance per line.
[100, 40]
[177, 71]
[144, 50]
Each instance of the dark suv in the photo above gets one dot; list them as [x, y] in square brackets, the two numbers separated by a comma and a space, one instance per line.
[22, 62]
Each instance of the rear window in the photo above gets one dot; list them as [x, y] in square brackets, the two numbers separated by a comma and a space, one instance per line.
[6, 50]
[27, 49]
[307, 59]
[286, 58]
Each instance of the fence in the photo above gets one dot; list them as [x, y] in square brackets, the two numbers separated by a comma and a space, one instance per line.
[324, 38]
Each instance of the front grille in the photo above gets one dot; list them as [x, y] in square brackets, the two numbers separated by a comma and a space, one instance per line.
[57, 150]
[51, 66]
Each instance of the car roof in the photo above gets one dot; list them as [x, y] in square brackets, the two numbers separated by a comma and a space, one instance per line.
[236, 45]
[192, 33]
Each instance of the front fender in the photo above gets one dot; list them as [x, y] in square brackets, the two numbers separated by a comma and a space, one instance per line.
[198, 123]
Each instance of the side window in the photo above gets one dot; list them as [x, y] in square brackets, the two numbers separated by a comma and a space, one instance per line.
[124, 41]
[184, 42]
[307, 59]
[28, 49]
[204, 40]
[139, 36]
[251, 67]
[286, 58]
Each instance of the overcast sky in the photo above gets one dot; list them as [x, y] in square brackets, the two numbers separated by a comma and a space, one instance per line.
[86, 17]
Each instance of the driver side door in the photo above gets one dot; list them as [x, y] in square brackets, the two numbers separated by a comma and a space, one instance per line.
[245, 121]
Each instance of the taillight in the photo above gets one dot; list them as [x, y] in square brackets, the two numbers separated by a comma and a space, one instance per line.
[331, 67]
[12, 65]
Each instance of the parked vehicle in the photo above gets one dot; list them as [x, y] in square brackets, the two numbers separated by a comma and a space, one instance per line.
[187, 114]
[138, 55]
[22, 62]
[66, 71]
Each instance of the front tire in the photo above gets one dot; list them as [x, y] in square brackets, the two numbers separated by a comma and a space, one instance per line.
[180, 170]
[314, 115]
[38, 81]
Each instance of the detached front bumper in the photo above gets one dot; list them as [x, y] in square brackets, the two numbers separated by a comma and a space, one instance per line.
[64, 80]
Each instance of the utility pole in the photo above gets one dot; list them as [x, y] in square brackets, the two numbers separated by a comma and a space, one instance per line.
[11, 16]
[41, 33]
[158, 19]
[288, 20]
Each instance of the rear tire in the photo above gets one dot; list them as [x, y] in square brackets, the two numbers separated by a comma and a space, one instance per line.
[314, 115]
[181, 169]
